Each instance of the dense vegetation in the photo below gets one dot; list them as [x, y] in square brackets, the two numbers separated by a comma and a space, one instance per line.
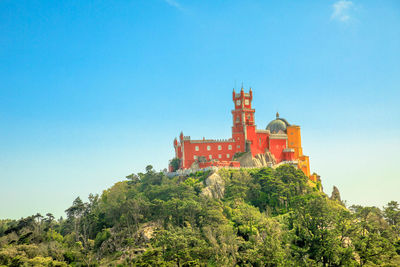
[266, 217]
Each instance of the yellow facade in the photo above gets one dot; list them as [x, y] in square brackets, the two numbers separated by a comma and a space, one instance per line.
[304, 164]
[294, 141]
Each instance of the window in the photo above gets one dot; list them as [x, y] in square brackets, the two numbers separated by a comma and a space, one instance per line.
[237, 102]
[208, 148]
[238, 147]
[230, 147]
[237, 119]
[219, 147]
[246, 102]
[210, 156]
[291, 143]
[219, 156]
[228, 156]
[196, 148]
[195, 157]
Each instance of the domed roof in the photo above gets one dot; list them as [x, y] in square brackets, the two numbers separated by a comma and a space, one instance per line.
[277, 125]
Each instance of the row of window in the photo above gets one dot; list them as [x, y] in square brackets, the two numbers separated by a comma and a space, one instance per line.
[210, 156]
[209, 148]
[238, 118]
[246, 102]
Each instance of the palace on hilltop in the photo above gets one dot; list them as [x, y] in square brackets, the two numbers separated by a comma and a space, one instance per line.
[279, 143]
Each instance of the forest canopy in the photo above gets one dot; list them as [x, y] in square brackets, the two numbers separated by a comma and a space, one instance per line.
[258, 217]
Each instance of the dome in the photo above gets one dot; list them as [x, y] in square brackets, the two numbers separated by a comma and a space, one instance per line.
[277, 125]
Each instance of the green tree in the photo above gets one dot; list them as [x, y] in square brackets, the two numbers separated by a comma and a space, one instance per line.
[316, 238]
[374, 239]
[175, 164]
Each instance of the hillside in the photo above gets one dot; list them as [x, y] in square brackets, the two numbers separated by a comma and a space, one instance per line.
[243, 217]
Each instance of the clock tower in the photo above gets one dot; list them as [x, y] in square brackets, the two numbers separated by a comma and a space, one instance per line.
[243, 120]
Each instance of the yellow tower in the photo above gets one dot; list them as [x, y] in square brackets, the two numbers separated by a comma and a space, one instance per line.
[294, 141]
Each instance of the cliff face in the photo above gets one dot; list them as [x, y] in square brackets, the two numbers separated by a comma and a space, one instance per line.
[215, 186]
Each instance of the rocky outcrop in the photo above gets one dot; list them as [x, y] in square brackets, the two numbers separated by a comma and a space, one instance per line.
[141, 237]
[147, 231]
[215, 186]
[260, 160]
[335, 194]
[246, 160]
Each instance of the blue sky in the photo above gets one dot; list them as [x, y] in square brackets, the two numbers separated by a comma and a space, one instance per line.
[91, 91]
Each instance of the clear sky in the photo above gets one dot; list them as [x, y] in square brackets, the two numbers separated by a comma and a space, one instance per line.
[91, 91]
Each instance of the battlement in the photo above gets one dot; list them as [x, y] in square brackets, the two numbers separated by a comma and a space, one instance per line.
[230, 140]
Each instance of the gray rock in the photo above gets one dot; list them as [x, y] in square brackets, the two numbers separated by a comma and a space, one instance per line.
[335, 194]
[215, 186]
[260, 160]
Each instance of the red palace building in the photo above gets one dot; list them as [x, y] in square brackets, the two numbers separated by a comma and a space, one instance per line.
[280, 139]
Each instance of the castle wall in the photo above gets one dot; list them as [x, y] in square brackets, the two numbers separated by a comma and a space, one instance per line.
[259, 142]
[251, 138]
[276, 147]
[210, 149]
[239, 141]
[288, 154]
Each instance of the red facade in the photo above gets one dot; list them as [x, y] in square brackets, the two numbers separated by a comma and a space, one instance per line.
[245, 137]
